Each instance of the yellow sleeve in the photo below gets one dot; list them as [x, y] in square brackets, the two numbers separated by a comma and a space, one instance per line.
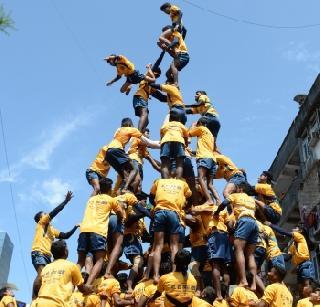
[115, 287]
[194, 131]
[76, 275]
[184, 131]
[269, 294]
[149, 291]
[237, 298]
[55, 232]
[6, 300]
[115, 205]
[134, 132]
[45, 219]
[187, 191]
[261, 188]
[153, 190]
[230, 198]
[166, 88]
[132, 200]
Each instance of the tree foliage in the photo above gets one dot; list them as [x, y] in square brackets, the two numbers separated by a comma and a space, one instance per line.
[6, 21]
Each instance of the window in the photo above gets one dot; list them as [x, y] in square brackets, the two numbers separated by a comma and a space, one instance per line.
[305, 149]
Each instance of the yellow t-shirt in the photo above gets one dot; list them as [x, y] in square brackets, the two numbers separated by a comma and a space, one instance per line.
[77, 299]
[140, 287]
[138, 150]
[124, 66]
[241, 297]
[222, 303]
[122, 137]
[204, 106]
[107, 288]
[92, 300]
[170, 194]
[305, 302]
[198, 233]
[272, 249]
[205, 143]
[226, 167]
[96, 215]
[174, 13]
[198, 302]
[299, 249]
[178, 287]
[261, 236]
[276, 295]
[174, 96]
[149, 292]
[6, 300]
[100, 165]
[173, 132]
[144, 90]
[243, 205]
[268, 196]
[44, 235]
[58, 281]
[181, 46]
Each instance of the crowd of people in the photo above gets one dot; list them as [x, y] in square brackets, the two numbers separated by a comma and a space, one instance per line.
[202, 249]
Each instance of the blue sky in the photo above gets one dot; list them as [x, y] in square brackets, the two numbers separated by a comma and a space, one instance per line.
[58, 112]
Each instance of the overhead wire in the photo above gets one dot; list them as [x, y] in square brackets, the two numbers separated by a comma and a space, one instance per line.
[249, 22]
[13, 201]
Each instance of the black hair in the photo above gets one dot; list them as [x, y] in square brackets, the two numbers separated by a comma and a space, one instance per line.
[182, 260]
[126, 122]
[242, 185]
[209, 294]
[202, 121]
[58, 249]
[85, 276]
[249, 277]
[105, 184]
[37, 217]
[108, 61]
[202, 92]
[164, 6]
[146, 129]
[174, 116]
[268, 175]
[157, 70]
[122, 278]
[224, 289]
[165, 28]
[165, 267]
[281, 272]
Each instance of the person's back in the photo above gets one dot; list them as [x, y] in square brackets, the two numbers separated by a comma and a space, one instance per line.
[58, 280]
[277, 294]
[241, 297]
[243, 205]
[177, 287]
[122, 137]
[173, 131]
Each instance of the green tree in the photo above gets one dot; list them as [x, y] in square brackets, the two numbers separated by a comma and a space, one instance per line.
[5, 21]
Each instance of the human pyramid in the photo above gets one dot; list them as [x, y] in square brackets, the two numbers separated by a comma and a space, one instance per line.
[230, 239]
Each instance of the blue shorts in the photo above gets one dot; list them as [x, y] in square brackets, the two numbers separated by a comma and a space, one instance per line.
[180, 112]
[117, 157]
[90, 174]
[213, 123]
[199, 253]
[135, 78]
[181, 60]
[208, 164]
[138, 104]
[115, 225]
[219, 248]
[271, 215]
[91, 242]
[237, 179]
[305, 271]
[247, 229]
[39, 259]
[131, 246]
[278, 261]
[166, 221]
[172, 150]
[260, 256]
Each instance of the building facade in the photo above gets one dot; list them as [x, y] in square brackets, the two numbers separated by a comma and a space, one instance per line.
[6, 248]
[296, 171]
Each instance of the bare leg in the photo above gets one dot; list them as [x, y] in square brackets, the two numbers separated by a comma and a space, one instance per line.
[157, 249]
[37, 282]
[143, 120]
[146, 274]
[132, 173]
[96, 186]
[239, 246]
[228, 189]
[202, 172]
[165, 167]
[179, 167]
[252, 267]
[125, 88]
[117, 239]
[134, 272]
[213, 190]
[174, 72]
[216, 269]
[174, 247]
[99, 257]
[81, 260]
[88, 264]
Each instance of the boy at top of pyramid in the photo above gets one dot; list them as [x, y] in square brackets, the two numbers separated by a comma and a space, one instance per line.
[175, 16]
[172, 41]
[127, 68]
